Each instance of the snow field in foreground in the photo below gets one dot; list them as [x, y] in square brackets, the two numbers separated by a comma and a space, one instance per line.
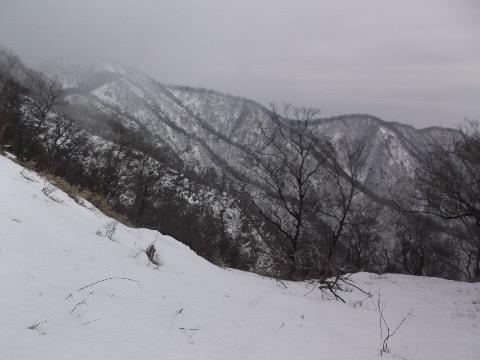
[188, 308]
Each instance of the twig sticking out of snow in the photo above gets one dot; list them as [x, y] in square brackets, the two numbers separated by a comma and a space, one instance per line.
[280, 327]
[384, 338]
[91, 321]
[81, 303]
[36, 324]
[26, 174]
[253, 304]
[111, 278]
[178, 312]
[341, 282]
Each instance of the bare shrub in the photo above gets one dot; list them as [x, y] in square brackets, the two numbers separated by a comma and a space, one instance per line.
[385, 332]
[152, 255]
[110, 229]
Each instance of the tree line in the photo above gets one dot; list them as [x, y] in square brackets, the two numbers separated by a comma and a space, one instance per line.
[309, 189]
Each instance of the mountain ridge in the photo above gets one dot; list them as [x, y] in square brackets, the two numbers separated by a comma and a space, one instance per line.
[209, 129]
[149, 147]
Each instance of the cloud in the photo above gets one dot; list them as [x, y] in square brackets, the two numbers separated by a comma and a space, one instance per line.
[409, 61]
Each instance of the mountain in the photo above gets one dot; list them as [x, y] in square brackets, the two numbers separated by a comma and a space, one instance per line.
[74, 288]
[218, 171]
[203, 141]
[207, 129]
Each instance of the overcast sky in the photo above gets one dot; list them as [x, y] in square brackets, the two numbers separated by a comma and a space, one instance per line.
[411, 61]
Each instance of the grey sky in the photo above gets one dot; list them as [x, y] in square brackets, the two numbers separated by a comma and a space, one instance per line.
[411, 61]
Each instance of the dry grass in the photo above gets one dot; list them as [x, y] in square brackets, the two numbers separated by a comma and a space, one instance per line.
[97, 200]
[77, 193]
[473, 279]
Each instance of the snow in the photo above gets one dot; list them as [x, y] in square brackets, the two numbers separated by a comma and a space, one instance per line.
[52, 247]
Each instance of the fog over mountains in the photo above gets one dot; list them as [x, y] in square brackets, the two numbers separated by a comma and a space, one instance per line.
[409, 62]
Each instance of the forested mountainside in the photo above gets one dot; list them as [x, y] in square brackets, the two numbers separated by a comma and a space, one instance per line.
[282, 192]
[205, 129]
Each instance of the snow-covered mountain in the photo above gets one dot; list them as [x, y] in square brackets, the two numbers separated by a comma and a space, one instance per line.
[189, 162]
[196, 136]
[206, 129]
[77, 285]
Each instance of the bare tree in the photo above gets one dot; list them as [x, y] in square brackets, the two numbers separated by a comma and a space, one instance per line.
[145, 181]
[45, 95]
[118, 158]
[62, 143]
[285, 166]
[362, 237]
[416, 241]
[447, 185]
[343, 175]
[12, 93]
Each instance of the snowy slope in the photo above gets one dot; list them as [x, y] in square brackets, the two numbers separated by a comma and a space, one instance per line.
[188, 308]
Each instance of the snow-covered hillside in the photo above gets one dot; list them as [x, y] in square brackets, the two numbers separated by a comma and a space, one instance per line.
[54, 254]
